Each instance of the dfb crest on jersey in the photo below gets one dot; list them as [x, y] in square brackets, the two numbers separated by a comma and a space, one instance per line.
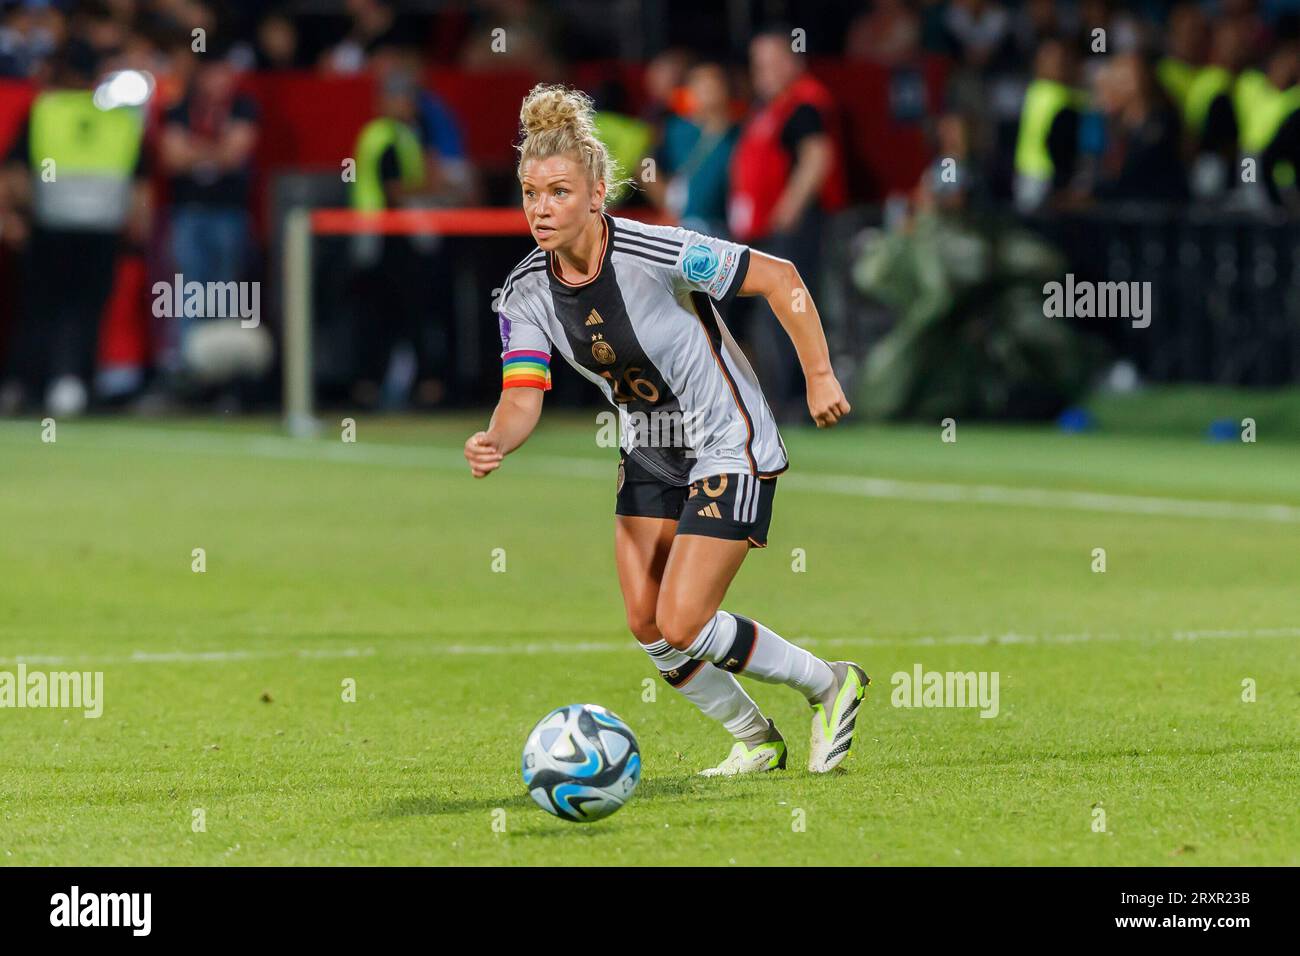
[601, 350]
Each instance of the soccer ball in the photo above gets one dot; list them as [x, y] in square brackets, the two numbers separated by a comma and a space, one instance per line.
[581, 763]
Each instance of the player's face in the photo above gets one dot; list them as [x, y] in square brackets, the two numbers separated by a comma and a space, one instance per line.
[557, 200]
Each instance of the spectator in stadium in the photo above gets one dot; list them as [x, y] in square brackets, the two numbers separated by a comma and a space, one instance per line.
[1247, 13]
[78, 171]
[977, 37]
[787, 169]
[1047, 143]
[28, 35]
[1142, 158]
[665, 81]
[695, 154]
[395, 275]
[1188, 32]
[206, 148]
[977, 31]
[141, 50]
[664, 91]
[527, 39]
[450, 178]
[786, 176]
[391, 164]
[1034, 22]
[375, 24]
[1122, 26]
[888, 34]
[1105, 30]
[390, 161]
[1209, 110]
[185, 17]
[955, 177]
[276, 46]
[97, 24]
[1272, 124]
[628, 139]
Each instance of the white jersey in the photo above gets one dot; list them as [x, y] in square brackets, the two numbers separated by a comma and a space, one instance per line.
[647, 329]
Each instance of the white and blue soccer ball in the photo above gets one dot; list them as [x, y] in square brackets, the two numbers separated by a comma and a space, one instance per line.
[581, 763]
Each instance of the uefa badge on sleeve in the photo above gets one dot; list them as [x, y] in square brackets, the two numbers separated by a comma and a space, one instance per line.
[700, 263]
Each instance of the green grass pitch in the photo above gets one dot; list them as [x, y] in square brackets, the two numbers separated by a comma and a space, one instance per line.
[1120, 692]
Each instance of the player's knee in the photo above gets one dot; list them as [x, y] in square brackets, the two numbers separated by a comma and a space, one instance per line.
[642, 625]
[679, 626]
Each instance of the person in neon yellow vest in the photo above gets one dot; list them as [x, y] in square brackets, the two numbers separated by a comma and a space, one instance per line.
[1209, 110]
[629, 140]
[1047, 144]
[75, 185]
[394, 282]
[1272, 127]
[391, 162]
[1188, 33]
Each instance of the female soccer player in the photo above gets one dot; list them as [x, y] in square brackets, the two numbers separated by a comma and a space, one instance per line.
[635, 309]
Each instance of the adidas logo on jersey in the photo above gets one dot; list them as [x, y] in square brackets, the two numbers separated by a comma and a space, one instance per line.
[594, 318]
[710, 511]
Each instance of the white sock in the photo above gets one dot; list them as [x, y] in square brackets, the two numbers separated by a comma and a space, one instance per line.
[717, 693]
[742, 646]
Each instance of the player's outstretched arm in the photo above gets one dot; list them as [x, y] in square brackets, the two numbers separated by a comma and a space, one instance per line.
[515, 417]
[778, 281]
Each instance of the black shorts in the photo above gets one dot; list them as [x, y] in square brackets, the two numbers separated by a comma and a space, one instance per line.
[734, 507]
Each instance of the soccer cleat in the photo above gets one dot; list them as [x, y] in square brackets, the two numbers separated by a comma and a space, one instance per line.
[832, 735]
[769, 755]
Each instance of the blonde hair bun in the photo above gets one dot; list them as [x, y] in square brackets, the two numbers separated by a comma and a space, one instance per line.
[557, 120]
[555, 108]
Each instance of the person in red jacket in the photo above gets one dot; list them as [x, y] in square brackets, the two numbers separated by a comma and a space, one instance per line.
[786, 175]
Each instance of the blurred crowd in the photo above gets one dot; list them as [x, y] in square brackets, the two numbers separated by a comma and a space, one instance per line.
[1045, 104]
[1062, 105]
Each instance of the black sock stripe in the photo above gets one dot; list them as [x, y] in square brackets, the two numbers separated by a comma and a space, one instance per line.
[742, 646]
[680, 675]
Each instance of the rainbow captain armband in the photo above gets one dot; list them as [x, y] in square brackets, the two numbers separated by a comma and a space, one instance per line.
[526, 368]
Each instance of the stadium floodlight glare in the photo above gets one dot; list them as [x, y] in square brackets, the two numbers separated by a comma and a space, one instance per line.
[124, 88]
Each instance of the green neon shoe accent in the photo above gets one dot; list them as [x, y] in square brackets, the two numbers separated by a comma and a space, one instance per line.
[823, 724]
[771, 753]
[777, 749]
[841, 702]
